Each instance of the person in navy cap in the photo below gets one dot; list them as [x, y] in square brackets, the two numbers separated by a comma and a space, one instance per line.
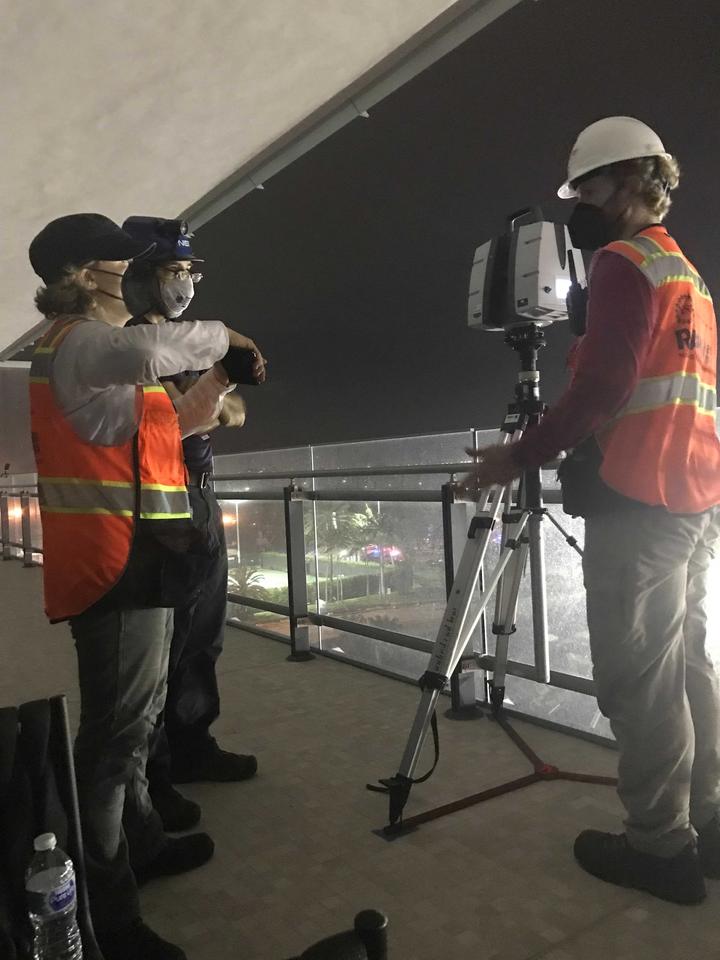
[158, 289]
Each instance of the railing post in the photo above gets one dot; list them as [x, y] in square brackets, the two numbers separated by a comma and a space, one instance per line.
[456, 520]
[5, 526]
[26, 530]
[297, 578]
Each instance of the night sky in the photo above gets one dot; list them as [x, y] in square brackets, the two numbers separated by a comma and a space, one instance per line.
[351, 268]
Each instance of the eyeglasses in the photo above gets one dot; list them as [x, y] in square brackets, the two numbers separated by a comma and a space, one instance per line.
[182, 274]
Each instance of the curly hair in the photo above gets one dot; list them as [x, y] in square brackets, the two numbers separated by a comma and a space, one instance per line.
[64, 296]
[656, 177]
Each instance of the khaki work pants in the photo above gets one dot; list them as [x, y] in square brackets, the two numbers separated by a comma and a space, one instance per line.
[645, 575]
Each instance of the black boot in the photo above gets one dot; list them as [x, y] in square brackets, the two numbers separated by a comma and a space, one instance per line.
[206, 761]
[709, 848]
[610, 857]
[178, 855]
[176, 812]
[137, 942]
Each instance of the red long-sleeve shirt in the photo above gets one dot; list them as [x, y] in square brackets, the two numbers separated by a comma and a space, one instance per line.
[622, 315]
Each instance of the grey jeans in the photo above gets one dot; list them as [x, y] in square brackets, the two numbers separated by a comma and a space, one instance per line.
[646, 580]
[122, 661]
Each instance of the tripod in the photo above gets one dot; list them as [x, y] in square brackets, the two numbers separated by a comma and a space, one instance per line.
[522, 539]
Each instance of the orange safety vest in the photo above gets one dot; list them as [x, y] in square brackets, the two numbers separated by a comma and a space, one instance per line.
[662, 447]
[91, 495]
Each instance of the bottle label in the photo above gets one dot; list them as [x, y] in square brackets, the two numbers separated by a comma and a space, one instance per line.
[56, 901]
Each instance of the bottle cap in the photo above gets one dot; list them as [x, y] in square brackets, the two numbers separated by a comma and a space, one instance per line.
[45, 841]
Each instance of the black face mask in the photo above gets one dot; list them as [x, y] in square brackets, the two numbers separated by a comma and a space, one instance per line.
[140, 290]
[588, 228]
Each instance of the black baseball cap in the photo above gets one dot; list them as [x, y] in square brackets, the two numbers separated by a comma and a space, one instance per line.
[79, 238]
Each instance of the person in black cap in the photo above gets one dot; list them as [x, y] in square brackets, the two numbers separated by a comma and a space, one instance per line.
[159, 288]
[119, 546]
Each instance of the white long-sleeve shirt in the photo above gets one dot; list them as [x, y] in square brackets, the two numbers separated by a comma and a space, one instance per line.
[98, 366]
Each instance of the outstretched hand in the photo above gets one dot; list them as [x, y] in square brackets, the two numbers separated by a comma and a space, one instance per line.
[496, 466]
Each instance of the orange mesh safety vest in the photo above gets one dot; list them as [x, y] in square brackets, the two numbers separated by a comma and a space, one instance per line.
[91, 495]
[662, 447]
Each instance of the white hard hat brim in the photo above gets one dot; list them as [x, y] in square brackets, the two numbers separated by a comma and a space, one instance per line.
[567, 192]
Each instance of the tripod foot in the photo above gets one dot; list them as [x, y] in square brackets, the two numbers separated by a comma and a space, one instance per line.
[497, 699]
[302, 656]
[398, 790]
[471, 712]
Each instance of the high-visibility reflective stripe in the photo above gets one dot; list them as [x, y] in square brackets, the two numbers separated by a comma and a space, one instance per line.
[156, 388]
[163, 486]
[671, 268]
[165, 516]
[84, 496]
[678, 388]
[82, 481]
[41, 350]
[87, 497]
[646, 245]
[39, 380]
[162, 503]
[88, 510]
[665, 266]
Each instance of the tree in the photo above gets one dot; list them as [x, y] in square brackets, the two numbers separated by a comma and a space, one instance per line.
[247, 581]
[334, 532]
[380, 528]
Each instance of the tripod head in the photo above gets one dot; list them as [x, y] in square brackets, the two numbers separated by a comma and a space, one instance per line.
[527, 340]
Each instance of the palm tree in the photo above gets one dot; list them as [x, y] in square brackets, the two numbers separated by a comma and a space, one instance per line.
[247, 581]
[334, 531]
[380, 528]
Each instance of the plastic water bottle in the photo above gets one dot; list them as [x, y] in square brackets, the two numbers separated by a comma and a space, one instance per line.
[52, 904]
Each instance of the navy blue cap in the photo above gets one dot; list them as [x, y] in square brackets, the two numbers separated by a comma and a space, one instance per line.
[171, 238]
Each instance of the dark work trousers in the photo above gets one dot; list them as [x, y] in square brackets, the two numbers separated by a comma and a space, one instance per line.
[122, 663]
[193, 702]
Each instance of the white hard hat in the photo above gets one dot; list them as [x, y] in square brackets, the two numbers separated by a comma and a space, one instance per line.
[609, 141]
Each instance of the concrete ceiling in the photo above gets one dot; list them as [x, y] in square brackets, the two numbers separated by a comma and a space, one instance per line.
[145, 107]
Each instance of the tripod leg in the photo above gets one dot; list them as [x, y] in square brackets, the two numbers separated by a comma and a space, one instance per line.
[418, 732]
[506, 612]
[539, 598]
[452, 638]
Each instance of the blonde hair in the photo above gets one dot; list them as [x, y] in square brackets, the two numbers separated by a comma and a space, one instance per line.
[65, 296]
[656, 177]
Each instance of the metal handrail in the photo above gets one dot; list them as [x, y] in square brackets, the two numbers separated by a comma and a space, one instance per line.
[398, 471]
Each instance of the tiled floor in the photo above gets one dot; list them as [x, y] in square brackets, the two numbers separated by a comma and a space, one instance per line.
[296, 853]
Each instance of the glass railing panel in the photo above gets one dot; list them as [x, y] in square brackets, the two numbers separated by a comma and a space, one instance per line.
[565, 707]
[401, 451]
[15, 520]
[381, 564]
[266, 461]
[257, 558]
[397, 661]
[243, 616]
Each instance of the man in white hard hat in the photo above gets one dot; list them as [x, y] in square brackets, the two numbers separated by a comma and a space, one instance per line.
[644, 471]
